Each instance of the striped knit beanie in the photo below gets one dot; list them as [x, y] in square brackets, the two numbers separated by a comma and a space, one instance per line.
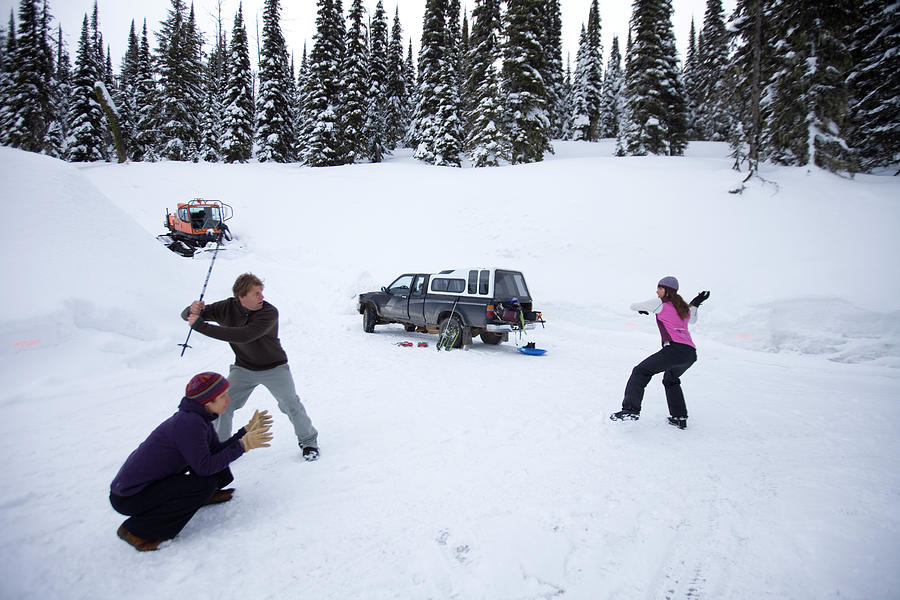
[205, 387]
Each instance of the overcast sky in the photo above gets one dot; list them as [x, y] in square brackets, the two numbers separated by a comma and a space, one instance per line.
[298, 20]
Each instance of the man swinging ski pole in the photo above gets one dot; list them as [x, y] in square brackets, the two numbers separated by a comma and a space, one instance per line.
[250, 325]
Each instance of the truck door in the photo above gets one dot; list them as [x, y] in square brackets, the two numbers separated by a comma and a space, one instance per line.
[397, 304]
[417, 299]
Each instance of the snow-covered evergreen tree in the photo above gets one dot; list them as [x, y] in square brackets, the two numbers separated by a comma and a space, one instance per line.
[7, 51]
[85, 141]
[553, 75]
[398, 89]
[807, 96]
[710, 100]
[180, 84]
[275, 135]
[657, 109]
[238, 123]
[31, 91]
[435, 129]
[355, 104]
[875, 85]
[126, 91]
[213, 107]
[321, 122]
[527, 96]
[613, 94]
[749, 69]
[487, 138]
[146, 138]
[691, 84]
[61, 93]
[588, 85]
[379, 106]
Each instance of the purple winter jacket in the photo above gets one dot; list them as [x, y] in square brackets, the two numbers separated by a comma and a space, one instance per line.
[186, 440]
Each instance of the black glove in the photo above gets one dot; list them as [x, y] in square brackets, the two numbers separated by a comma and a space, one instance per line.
[643, 312]
[699, 299]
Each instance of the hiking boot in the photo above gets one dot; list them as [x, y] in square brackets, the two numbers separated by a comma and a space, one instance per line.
[139, 544]
[625, 415]
[679, 422]
[220, 496]
[310, 453]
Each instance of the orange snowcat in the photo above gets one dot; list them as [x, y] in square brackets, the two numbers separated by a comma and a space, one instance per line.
[195, 224]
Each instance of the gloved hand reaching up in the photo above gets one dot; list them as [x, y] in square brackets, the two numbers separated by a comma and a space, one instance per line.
[699, 299]
[258, 438]
[259, 419]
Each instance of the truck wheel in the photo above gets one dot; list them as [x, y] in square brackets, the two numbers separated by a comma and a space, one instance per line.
[451, 332]
[369, 319]
[489, 337]
[409, 327]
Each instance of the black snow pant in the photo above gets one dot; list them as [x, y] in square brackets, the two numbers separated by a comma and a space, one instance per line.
[673, 360]
[162, 509]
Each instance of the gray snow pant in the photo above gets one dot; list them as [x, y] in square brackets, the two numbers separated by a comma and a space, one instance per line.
[280, 383]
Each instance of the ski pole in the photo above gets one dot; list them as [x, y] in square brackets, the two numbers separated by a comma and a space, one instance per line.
[185, 346]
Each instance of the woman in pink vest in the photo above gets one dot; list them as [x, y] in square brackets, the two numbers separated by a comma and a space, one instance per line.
[677, 355]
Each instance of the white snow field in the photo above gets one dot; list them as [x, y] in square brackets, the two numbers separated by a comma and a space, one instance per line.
[480, 474]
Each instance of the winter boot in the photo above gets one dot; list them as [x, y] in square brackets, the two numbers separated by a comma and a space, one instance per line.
[139, 544]
[310, 453]
[679, 422]
[220, 496]
[625, 415]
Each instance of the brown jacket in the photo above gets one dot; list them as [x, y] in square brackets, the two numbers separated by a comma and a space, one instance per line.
[253, 335]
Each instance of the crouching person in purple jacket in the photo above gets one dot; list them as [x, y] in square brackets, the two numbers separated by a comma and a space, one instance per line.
[182, 465]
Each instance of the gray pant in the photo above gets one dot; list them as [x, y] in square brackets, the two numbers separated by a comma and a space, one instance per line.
[280, 383]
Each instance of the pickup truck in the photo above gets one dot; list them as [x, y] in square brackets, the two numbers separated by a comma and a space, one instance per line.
[491, 303]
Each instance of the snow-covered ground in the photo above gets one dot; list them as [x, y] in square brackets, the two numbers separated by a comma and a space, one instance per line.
[470, 475]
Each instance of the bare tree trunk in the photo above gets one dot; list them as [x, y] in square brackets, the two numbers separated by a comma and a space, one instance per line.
[109, 108]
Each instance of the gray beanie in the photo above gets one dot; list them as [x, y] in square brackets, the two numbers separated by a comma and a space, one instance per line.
[669, 282]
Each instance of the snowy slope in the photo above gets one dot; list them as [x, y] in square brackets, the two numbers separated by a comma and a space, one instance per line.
[480, 474]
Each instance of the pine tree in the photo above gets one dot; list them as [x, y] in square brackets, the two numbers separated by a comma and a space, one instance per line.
[449, 142]
[356, 86]
[238, 123]
[527, 96]
[85, 141]
[691, 84]
[432, 129]
[127, 90]
[32, 77]
[213, 107]
[398, 88]
[275, 135]
[57, 132]
[7, 52]
[808, 96]
[875, 85]
[613, 103]
[710, 100]
[487, 138]
[657, 109]
[588, 84]
[180, 84]
[553, 75]
[379, 80]
[146, 137]
[321, 123]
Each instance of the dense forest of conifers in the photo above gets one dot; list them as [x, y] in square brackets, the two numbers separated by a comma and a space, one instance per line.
[794, 82]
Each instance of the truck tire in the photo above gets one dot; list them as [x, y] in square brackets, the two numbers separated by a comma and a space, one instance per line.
[454, 329]
[409, 327]
[489, 337]
[369, 319]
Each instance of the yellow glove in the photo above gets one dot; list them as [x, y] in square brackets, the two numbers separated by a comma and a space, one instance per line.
[259, 419]
[258, 438]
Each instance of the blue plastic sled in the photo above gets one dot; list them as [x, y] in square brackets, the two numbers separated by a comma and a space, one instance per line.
[532, 351]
